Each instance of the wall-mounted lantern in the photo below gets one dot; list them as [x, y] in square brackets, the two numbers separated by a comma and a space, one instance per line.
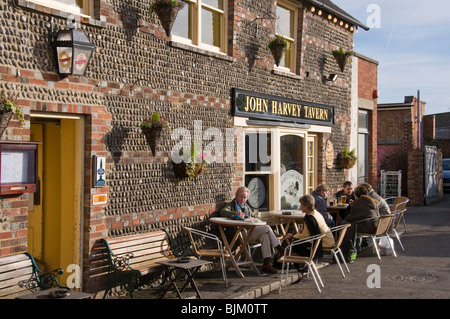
[73, 51]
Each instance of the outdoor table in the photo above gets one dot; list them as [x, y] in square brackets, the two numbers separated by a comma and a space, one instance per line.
[185, 265]
[45, 294]
[249, 224]
[335, 210]
[296, 216]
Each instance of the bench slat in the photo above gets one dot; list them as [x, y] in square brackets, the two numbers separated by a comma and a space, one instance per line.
[13, 259]
[19, 265]
[15, 273]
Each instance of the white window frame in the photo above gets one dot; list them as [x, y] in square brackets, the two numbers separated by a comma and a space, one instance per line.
[55, 4]
[196, 18]
[295, 9]
[274, 172]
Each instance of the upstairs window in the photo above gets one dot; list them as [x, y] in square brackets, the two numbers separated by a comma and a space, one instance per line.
[79, 7]
[286, 27]
[202, 23]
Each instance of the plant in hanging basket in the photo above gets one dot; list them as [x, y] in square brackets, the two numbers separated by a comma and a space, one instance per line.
[167, 11]
[341, 57]
[346, 159]
[277, 46]
[9, 108]
[193, 166]
[153, 129]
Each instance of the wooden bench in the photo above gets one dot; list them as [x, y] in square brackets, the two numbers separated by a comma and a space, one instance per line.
[19, 274]
[131, 257]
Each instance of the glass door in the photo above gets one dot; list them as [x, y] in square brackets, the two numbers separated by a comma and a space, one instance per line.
[291, 171]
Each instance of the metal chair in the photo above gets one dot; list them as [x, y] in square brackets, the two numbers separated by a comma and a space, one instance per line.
[382, 230]
[339, 233]
[399, 203]
[288, 258]
[220, 252]
[396, 220]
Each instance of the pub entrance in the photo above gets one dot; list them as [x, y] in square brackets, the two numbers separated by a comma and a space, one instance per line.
[55, 210]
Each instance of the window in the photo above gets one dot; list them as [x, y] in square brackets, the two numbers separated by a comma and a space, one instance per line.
[363, 147]
[80, 7]
[286, 28]
[202, 23]
[311, 157]
[280, 166]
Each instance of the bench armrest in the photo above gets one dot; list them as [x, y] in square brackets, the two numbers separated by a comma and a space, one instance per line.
[42, 280]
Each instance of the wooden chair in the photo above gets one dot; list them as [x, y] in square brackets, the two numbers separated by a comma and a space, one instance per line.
[382, 231]
[220, 252]
[288, 258]
[339, 233]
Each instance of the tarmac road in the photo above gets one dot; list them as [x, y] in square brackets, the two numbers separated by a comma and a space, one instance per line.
[422, 271]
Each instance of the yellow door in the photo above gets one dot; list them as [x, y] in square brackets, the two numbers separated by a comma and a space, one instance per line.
[55, 220]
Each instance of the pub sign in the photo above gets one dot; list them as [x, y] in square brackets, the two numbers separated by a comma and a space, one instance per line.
[268, 107]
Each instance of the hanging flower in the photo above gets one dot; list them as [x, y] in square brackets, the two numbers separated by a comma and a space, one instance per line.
[8, 105]
[155, 121]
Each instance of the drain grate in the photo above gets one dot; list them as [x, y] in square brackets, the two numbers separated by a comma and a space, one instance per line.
[416, 278]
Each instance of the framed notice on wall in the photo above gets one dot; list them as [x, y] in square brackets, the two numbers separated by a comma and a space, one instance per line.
[99, 170]
[18, 167]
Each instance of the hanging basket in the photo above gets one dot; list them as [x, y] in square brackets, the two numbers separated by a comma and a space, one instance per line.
[5, 117]
[341, 61]
[181, 170]
[277, 52]
[167, 15]
[153, 136]
[346, 161]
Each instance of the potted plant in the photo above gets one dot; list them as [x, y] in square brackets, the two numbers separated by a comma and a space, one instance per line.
[277, 46]
[153, 128]
[341, 57]
[167, 11]
[195, 166]
[9, 108]
[346, 159]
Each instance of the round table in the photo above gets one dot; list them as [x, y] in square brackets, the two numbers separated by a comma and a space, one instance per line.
[249, 224]
[296, 217]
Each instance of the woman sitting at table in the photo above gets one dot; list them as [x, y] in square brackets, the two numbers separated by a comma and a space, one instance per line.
[314, 224]
[261, 234]
[363, 218]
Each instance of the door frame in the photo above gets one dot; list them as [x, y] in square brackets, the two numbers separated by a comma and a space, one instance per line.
[79, 159]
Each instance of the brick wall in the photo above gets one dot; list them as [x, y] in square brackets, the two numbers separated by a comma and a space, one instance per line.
[415, 177]
[136, 71]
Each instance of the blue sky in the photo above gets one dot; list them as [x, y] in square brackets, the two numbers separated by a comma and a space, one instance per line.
[412, 45]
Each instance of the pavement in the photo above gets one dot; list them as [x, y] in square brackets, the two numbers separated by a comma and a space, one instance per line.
[421, 271]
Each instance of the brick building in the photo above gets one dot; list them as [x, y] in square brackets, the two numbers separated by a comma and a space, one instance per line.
[436, 131]
[210, 84]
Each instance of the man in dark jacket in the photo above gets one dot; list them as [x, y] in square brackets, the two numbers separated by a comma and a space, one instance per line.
[320, 195]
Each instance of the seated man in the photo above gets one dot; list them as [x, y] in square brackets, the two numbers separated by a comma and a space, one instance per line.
[347, 190]
[320, 195]
[262, 234]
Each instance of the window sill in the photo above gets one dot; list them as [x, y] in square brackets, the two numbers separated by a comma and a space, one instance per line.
[199, 50]
[286, 74]
[60, 13]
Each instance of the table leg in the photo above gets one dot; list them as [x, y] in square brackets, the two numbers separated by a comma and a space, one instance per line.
[229, 249]
[172, 282]
[244, 245]
[190, 279]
